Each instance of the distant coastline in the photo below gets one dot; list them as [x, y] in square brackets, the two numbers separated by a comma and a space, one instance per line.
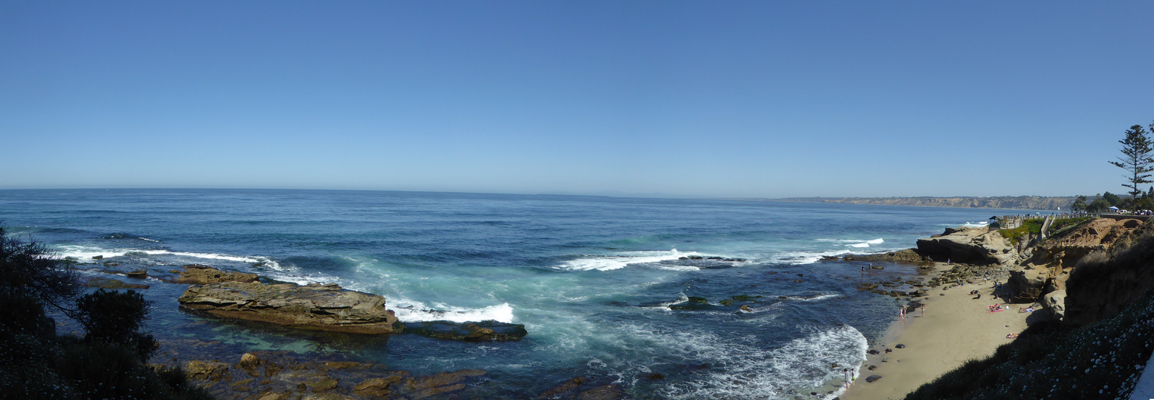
[1001, 202]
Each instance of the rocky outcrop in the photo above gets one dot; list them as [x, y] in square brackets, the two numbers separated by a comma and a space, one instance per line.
[1055, 304]
[907, 256]
[320, 307]
[203, 275]
[969, 245]
[1029, 284]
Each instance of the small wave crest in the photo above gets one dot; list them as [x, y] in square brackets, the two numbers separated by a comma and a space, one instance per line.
[609, 263]
[806, 257]
[263, 265]
[816, 297]
[408, 310]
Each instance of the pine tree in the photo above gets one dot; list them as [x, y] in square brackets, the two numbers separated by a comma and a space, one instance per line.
[1136, 159]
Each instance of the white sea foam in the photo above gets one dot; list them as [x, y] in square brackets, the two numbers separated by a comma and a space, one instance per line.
[609, 263]
[83, 253]
[665, 306]
[981, 224]
[817, 297]
[741, 368]
[269, 267]
[806, 257]
[408, 310]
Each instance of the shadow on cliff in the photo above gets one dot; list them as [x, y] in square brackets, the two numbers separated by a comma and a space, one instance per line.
[1106, 281]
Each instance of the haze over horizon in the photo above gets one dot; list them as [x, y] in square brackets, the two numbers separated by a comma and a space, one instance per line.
[681, 99]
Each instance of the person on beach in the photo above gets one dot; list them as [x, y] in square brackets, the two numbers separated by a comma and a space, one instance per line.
[923, 310]
[847, 378]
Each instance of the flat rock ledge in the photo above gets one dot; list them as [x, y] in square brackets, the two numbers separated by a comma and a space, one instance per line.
[319, 307]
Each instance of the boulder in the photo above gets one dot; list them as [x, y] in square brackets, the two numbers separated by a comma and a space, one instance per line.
[207, 371]
[969, 245]
[203, 275]
[873, 378]
[1028, 283]
[1055, 304]
[378, 387]
[319, 307]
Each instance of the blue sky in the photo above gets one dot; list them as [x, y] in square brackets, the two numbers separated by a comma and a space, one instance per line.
[694, 99]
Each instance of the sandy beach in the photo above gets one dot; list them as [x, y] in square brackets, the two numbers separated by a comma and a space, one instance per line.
[956, 327]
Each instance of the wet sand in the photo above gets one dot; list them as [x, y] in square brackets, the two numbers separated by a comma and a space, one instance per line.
[955, 328]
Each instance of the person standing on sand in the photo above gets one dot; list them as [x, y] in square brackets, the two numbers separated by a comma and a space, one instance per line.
[923, 310]
[847, 378]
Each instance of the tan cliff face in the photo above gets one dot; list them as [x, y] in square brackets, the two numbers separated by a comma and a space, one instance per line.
[1044, 276]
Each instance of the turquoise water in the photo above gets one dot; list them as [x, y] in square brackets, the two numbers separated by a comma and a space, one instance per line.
[591, 278]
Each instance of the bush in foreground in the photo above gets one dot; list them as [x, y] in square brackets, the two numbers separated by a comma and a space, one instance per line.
[108, 363]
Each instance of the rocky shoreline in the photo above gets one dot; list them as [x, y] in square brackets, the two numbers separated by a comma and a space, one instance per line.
[249, 300]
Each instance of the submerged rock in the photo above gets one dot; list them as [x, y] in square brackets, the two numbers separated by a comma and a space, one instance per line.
[320, 307]
[484, 331]
[106, 283]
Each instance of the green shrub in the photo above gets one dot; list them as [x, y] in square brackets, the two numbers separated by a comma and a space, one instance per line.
[1029, 226]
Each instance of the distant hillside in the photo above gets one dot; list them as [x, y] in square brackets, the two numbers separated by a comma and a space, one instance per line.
[1004, 202]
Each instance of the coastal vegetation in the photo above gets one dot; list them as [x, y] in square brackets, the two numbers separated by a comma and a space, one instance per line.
[1029, 226]
[108, 362]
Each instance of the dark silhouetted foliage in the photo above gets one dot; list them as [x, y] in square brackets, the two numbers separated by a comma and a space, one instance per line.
[106, 364]
[116, 318]
[27, 269]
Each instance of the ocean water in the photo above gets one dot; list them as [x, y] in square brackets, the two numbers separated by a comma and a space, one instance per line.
[591, 278]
